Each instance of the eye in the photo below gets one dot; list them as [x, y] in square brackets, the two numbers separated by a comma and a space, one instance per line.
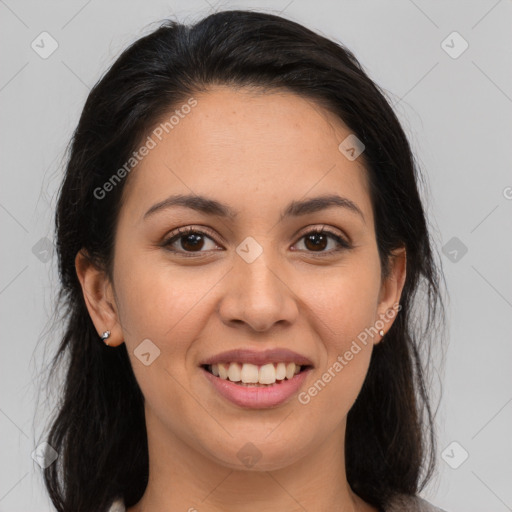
[317, 239]
[192, 240]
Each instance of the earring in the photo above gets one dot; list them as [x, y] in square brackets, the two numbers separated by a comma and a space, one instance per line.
[381, 332]
[105, 336]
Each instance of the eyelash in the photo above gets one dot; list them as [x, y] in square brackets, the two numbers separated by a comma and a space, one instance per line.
[181, 232]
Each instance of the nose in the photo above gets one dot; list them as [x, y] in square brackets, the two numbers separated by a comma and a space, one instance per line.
[258, 295]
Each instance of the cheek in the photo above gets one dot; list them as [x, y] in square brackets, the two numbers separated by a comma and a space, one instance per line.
[161, 301]
[342, 304]
[342, 300]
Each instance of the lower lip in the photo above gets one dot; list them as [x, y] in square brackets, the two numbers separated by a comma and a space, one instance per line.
[258, 397]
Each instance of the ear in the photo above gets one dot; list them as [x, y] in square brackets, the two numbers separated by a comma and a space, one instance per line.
[99, 298]
[391, 289]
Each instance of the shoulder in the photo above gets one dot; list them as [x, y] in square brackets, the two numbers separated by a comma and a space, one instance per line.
[406, 503]
[117, 506]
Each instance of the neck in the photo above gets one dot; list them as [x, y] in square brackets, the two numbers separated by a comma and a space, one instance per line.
[183, 479]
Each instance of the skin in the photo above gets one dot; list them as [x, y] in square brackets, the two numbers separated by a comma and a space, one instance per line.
[256, 153]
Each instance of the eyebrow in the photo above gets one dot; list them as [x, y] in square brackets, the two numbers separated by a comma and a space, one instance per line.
[215, 208]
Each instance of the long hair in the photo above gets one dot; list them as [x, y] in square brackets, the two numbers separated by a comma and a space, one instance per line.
[98, 428]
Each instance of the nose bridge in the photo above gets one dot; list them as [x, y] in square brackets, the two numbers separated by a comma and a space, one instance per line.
[257, 294]
[258, 266]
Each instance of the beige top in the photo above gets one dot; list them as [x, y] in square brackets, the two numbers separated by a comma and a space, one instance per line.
[400, 503]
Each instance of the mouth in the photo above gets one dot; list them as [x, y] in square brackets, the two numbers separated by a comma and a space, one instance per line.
[251, 386]
[257, 379]
[252, 375]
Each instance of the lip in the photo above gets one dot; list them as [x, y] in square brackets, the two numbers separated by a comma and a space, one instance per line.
[258, 397]
[259, 358]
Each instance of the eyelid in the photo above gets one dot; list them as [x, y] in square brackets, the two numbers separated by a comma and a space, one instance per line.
[185, 230]
[323, 229]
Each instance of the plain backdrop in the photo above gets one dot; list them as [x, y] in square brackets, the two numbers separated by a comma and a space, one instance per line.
[446, 66]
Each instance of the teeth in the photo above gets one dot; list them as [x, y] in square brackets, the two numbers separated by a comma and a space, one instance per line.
[252, 374]
[290, 370]
[280, 371]
[235, 372]
[249, 373]
[267, 374]
[221, 369]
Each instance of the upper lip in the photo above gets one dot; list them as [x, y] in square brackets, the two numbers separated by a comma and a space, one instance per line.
[276, 355]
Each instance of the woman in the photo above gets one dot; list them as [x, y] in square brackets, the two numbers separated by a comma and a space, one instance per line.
[240, 241]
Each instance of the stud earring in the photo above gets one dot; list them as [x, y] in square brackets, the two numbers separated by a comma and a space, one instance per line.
[105, 336]
[381, 332]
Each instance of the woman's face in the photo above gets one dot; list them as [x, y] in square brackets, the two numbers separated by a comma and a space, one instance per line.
[255, 281]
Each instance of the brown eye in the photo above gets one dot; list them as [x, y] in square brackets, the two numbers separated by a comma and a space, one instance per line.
[192, 242]
[318, 240]
[188, 240]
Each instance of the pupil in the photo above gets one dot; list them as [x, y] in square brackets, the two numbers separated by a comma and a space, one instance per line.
[317, 244]
[193, 240]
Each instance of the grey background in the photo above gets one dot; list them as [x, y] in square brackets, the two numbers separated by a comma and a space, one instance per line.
[457, 113]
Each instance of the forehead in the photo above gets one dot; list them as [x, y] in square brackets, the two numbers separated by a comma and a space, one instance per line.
[245, 147]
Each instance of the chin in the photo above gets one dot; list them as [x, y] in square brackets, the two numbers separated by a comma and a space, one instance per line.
[249, 456]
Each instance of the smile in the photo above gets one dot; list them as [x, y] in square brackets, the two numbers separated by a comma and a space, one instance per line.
[256, 387]
[254, 375]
